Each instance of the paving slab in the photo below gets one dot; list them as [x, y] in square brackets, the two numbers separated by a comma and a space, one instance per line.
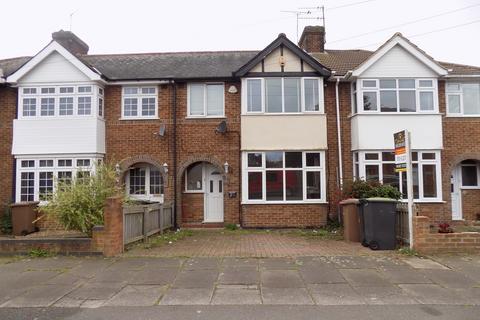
[127, 264]
[153, 277]
[404, 274]
[115, 275]
[354, 262]
[163, 263]
[30, 278]
[320, 262]
[178, 296]
[433, 294]
[239, 275]
[92, 304]
[90, 266]
[236, 296]
[364, 277]
[65, 279]
[385, 295]
[196, 279]
[317, 274]
[335, 294]
[137, 296]
[229, 262]
[450, 278]
[286, 296]
[281, 279]
[96, 291]
[423, 263]
[67, 302]
[39, 296]
[202, 264]
[278, 264]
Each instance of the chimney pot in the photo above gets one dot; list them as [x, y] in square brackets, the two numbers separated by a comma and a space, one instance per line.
[70, 42]
[313, 39]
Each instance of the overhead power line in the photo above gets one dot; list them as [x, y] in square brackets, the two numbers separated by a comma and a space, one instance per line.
[405, 23]
[429, 32]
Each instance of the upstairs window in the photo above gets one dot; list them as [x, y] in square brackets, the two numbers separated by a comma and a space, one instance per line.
[206, 100]
[398, 95]
[463, 99]
[283, 95]
[138, 103]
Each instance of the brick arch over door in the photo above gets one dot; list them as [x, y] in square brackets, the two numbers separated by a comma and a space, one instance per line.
[452, 163]
[181, 170]
[126, 163]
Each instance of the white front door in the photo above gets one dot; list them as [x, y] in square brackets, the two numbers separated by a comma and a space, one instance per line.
[213, 195]
[456, 194]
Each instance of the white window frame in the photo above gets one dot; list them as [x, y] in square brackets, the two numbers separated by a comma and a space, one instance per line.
[437, 162]
[139, 96]
[205, 107]
[56, 95]
[36, 169]
[361, 89]
[477, 165]
[321, 98]
[147, 196]
[460, 94]
[304, 169]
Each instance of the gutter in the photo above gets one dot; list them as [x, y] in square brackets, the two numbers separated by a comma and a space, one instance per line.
[339, 134]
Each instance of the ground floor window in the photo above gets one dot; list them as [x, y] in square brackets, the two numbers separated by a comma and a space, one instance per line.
[380, 166]
[470, 170]
[144, 182]
[38, 177]
[284, 176]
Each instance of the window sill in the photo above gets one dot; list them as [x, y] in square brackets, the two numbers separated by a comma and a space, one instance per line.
[204, 117]
[462, 116]
[395, 113]
[284, 202]
[276, 114]
[139, 118]
[193, 191]
[470, 188]
[425, 201]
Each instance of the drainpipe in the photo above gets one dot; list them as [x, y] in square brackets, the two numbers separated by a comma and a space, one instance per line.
[339, 133]
[174, 111]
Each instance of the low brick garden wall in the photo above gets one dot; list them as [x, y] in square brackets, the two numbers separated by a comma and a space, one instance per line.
[106, 239]
[428, 242]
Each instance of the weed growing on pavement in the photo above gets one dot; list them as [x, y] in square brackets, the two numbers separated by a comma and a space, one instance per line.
[231, 226]
[169, 237]
[40, 253]
[408, 252]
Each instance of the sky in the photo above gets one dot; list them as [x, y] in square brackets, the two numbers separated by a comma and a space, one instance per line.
[448, 30]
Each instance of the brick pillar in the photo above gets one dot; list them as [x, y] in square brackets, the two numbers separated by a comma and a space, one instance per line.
[421, 228]
[113, 227]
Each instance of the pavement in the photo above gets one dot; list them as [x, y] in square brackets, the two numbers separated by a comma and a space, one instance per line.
[80, 283]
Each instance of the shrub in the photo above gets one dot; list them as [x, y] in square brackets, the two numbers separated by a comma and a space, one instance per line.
[231, 226]
[78, 204]
[361, 189]
[6, 221]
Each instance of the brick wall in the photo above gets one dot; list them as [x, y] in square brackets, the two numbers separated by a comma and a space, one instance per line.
[192, 207]
[284, 215]
[427, 242]
[471, 204]
[8, 100]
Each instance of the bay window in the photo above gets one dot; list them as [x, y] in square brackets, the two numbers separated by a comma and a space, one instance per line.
[398, 95]
[36, 178]
[206, 100]
[284, 177]
[463, 99]
[283, 95]
[380, 166]
[138, 103]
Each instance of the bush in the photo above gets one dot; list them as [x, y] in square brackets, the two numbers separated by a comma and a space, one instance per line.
[6, 221]
[361, 189]
[78, 205]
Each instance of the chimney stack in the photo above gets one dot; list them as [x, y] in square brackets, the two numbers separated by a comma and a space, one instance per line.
[70, 41]
[313, 39]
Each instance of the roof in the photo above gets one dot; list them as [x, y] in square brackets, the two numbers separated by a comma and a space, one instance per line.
[209, 64]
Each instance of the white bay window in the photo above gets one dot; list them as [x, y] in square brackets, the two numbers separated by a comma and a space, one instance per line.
[380, 166]
[284, 177]
[397, 95]
[283, 95]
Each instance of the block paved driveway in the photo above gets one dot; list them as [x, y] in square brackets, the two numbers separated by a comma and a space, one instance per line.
[92, 282]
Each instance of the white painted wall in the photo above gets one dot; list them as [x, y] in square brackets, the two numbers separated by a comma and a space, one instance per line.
[375, 131]
[284, 132]
[398, 62]
[58, 136]
[292, 63]
[54, 68]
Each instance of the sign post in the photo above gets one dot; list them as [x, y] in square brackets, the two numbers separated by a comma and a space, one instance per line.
[403, 163]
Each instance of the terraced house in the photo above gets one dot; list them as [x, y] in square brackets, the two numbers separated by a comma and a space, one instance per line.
[261, 138]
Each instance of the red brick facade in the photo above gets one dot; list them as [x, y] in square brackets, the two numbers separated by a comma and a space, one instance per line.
[8, 103]
[284, 215]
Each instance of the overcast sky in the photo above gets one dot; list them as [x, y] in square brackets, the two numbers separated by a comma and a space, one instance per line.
[123, 26]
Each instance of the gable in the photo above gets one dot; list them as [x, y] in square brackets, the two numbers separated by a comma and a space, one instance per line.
[398, 62]
[292, 63]
[54, 68]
